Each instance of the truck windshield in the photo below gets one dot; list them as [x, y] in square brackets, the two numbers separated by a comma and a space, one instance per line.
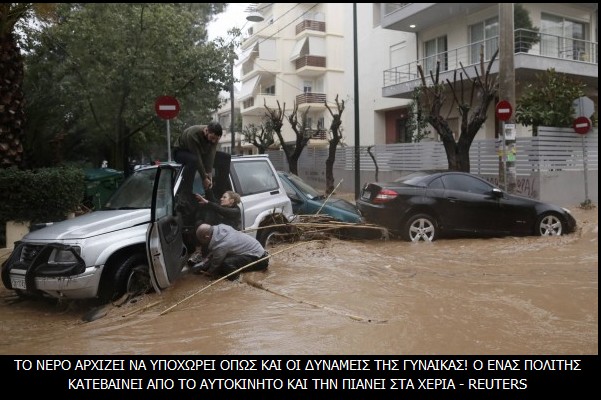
[135, 192]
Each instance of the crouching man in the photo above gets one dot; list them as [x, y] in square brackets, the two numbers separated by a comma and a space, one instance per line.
[229, 250]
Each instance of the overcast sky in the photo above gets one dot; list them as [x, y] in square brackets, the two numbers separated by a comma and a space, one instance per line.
[234, 16]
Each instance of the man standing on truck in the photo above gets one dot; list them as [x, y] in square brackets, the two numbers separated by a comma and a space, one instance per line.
[195, 149]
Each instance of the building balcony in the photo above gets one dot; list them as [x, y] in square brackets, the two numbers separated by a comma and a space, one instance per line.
[318, 134]
[255, 105]
[399, 16]
[314, 100]
[251, 68]
[310, 66]
[310, 25]
[534, 53]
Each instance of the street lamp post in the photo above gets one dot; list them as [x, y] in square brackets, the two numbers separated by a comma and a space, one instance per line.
[356, 89]
[232, 109]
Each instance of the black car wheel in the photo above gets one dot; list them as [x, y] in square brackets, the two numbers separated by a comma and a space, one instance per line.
[549, 225]
[131, 277]
[420, 227]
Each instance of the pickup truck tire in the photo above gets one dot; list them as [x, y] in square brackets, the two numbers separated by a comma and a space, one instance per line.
[131, 277]
[269, 236]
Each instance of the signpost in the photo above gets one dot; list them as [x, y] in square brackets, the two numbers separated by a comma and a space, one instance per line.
[582, 125]
[504, 111]
[167, 107]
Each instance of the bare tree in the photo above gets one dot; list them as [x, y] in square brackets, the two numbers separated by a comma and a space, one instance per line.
[333, 143]
[484, 89]
[291, 151]
[373, 158]
[259, 136]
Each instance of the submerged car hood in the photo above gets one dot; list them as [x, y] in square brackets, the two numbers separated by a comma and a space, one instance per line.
[341, 203]
[92, 224]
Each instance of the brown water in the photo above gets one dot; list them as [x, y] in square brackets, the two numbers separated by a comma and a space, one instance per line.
[525, 295]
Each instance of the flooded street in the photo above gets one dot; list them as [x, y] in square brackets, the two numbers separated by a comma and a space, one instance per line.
[514, 295]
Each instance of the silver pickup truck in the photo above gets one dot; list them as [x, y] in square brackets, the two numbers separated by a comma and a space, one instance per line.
[139, 238]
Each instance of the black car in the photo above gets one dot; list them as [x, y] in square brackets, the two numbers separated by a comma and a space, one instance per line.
[425, 205]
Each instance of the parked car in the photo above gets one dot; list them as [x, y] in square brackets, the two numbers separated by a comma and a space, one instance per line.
[306, 200]
[425, 205]
[139, 239]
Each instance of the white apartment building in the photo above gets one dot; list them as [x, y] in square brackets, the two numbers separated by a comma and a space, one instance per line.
[305, 53]
[567, 40]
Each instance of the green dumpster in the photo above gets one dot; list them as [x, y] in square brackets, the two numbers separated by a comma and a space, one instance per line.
[100, 185]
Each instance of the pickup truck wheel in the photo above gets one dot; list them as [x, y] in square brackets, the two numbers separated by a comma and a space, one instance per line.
[131, 277]
[269, 236]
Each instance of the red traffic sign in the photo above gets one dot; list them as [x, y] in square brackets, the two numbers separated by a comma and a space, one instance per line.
[504, 110]
[582, 125]
[166, 107]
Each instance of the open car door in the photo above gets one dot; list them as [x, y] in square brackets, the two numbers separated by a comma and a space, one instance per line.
[164, 243]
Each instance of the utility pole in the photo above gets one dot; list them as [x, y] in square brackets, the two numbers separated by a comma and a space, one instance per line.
[356, 94]
[507, 92]
[232, 124]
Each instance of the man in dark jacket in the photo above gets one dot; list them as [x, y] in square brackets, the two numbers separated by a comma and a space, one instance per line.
[195, 149]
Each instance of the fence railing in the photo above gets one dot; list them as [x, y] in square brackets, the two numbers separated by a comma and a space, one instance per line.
[552, 150]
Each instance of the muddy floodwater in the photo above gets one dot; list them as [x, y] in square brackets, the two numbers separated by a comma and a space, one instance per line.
[513, 295]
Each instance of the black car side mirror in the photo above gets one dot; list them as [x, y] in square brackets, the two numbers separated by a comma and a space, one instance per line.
[498, 193]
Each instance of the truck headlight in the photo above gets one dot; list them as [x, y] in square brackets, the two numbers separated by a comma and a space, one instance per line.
[64, 256]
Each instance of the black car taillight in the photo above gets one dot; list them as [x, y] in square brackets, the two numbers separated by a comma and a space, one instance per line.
[385, 195]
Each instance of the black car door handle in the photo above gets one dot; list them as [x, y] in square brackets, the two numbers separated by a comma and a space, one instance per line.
[275, 192]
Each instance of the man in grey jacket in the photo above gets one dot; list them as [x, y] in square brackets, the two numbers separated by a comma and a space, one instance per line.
[229, 250]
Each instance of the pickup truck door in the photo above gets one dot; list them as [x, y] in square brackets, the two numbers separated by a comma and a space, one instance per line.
[164, 242]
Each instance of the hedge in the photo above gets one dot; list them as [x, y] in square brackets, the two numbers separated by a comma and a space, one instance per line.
[41, 195]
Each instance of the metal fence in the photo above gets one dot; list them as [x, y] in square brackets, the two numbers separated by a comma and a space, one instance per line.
[553, 151]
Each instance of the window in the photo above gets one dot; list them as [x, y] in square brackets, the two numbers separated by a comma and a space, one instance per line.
[269, 90]
[307, 86]
[320, 123]
[466, 183]
[562, 37]
[436, 50]
[403, 135]
[254, 177]
[485, 34]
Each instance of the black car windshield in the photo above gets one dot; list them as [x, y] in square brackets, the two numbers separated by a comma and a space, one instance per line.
[134, 192]
[415, 178]
[301, 185]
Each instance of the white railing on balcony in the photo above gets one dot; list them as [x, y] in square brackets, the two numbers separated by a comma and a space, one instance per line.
[526, 42]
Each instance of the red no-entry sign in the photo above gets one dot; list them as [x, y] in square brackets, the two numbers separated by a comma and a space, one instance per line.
[166, 107]
[582, 125]
[504, 110]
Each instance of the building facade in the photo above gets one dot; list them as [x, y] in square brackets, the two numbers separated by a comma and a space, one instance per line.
[455, 34]
[304, 54]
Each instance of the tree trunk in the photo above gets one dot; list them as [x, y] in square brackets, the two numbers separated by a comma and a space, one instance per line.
[373, 158]
[12, 103]
[293, 162]
[336, 138]
[330, 164]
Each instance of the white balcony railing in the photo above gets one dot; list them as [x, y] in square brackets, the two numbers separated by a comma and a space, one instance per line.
[526, 42]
